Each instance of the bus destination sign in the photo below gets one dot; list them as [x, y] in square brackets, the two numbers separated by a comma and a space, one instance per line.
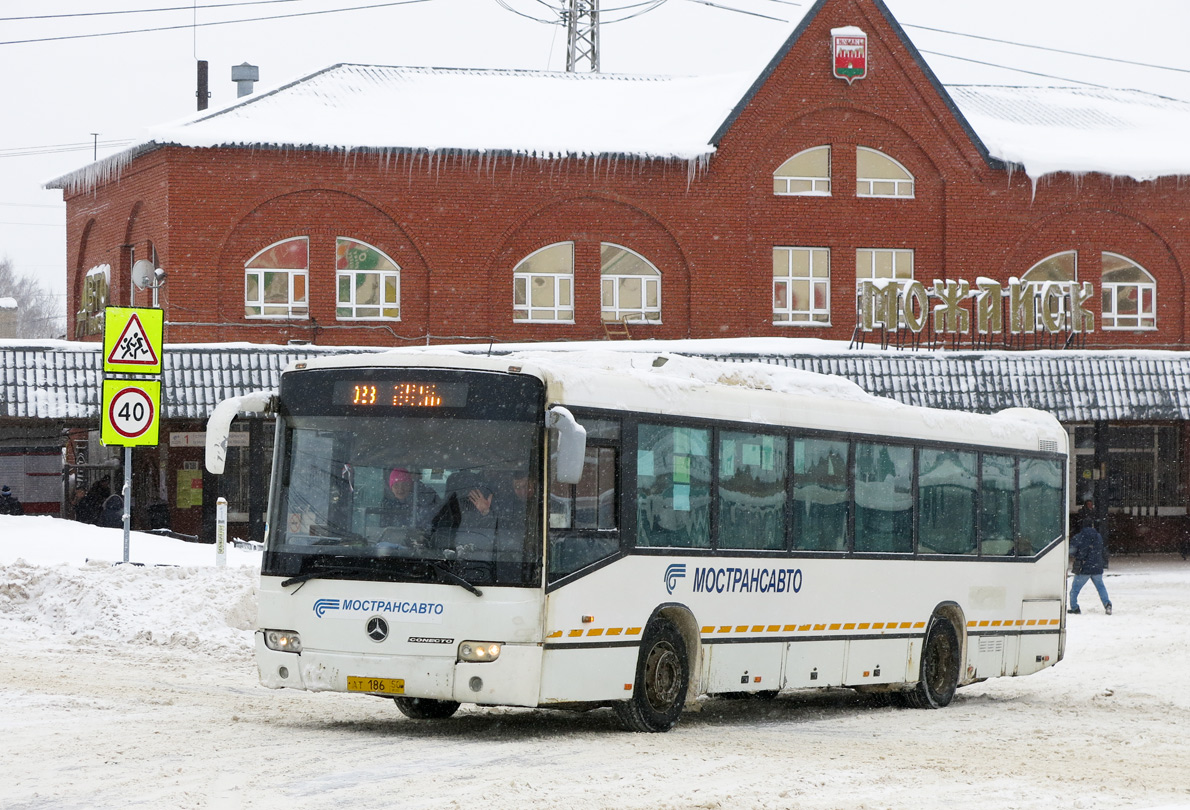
[404, 394]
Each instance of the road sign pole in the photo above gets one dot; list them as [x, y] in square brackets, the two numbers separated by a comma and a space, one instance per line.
[221, 532]
[127, 495]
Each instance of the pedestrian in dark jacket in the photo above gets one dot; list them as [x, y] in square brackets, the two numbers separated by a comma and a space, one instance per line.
[113, 512]
[90, 506]
[9, 505]
[1088, 557]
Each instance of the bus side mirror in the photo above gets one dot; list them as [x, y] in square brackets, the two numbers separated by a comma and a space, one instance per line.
[572, 445]
[219, 424]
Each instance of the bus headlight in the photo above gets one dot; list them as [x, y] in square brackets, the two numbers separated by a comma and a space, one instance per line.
[479, 651]
[283, 641]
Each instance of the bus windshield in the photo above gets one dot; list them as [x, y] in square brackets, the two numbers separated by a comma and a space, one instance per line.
[409, 497]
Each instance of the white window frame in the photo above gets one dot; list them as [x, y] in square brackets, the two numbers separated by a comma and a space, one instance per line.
[820, 185]
[898, 184]
[1061, 315]
[900, 281]
[385, 275]
[1110, 293]
[785, 316]
[644, 314]
[524, 313]
[294, 309]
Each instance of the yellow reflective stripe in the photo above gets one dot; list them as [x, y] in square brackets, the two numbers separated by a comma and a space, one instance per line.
[711, 629]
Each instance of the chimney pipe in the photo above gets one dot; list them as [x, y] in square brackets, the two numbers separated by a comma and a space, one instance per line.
[203, 92]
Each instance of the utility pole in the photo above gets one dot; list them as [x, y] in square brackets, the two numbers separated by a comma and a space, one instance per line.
[582, 36]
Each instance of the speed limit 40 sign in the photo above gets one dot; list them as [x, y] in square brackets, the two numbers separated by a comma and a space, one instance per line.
[131, 412]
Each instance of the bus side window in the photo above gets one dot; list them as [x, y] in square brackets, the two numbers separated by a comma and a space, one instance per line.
[883, 498]
[751, 491]
[583, 518]
[673, 487]
[821, 499]
[591, 503]
[997, 510]
[1041, 515]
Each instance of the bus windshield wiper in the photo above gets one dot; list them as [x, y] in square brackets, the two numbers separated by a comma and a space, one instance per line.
[451, 576]
[323, 570]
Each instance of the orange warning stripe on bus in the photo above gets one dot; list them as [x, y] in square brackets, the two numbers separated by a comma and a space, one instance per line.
[786, 629]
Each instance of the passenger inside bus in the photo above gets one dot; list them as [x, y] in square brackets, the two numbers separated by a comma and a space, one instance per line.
[408, 503]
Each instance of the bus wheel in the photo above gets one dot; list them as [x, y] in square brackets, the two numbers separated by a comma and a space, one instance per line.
[940, 667]
[662, 675]
[426, 708]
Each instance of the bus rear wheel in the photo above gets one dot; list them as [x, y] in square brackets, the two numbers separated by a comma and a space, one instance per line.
[940, 664]
[662, 676]
[426, 708]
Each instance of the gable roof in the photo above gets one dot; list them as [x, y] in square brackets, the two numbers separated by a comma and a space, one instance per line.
[789, 44]
[550, 115]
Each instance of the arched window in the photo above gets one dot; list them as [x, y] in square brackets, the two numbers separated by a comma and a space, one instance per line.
[1060, 269]
[808, 173]
[1129, 294]
[801, 286]
[630, 285]
[275, 280]
[543, 285]
[368, 283]
[878, 175]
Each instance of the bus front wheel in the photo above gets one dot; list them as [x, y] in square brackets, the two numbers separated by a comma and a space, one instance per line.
[940, 665]
[426, 708]
[662, 676]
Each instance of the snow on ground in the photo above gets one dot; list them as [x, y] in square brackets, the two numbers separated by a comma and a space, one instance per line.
[134, 687]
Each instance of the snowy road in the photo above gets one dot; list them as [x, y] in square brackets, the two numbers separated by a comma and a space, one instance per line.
[160, 708]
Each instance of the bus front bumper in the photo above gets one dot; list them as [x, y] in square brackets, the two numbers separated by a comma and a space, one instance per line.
[511, 680]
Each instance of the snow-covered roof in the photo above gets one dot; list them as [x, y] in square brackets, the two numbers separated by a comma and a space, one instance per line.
[61, 379]
[538, 113]
[551, 115]
[1126, 133]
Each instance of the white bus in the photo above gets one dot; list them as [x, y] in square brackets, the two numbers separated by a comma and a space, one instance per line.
[585, 529]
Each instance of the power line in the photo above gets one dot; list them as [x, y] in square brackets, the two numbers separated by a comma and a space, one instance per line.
[139, 11]
[738, 10]
[1016, 70]
[207, 24]
[1051, 50]
[28, 151]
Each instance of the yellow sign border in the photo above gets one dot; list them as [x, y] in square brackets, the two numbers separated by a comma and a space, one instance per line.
[115, 320]
[150, 437]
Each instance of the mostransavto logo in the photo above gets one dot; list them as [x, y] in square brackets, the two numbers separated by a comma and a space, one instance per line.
[675, 572]
[396, 610]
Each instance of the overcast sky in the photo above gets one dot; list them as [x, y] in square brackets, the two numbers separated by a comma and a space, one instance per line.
[56, 94]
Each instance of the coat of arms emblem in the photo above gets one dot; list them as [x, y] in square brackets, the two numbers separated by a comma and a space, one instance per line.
[850, 48]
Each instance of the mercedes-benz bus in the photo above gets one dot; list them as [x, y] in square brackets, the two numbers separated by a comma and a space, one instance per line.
[580, 529]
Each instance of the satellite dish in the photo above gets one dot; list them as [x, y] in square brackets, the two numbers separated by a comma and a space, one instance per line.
[142, 274]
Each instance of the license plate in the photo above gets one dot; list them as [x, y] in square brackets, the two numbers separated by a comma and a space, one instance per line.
[384, 686]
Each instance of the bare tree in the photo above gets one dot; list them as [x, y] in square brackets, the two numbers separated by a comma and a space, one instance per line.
[39, 312]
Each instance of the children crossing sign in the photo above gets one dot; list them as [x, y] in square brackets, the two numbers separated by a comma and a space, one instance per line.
[131, 412]
[132, 340]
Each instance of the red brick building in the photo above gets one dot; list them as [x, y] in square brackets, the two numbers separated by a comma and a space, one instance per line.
[843, 193]
[530, 206]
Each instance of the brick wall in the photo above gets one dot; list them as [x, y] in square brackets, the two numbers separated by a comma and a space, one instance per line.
[457, 226]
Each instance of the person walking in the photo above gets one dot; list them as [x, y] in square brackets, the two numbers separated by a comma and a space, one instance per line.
[9, 505]
[1088, 557]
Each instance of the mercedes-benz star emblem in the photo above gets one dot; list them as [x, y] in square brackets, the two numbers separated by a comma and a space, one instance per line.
[377, 629]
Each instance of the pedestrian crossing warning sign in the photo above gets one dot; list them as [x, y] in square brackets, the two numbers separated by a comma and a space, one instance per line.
[132, 340]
